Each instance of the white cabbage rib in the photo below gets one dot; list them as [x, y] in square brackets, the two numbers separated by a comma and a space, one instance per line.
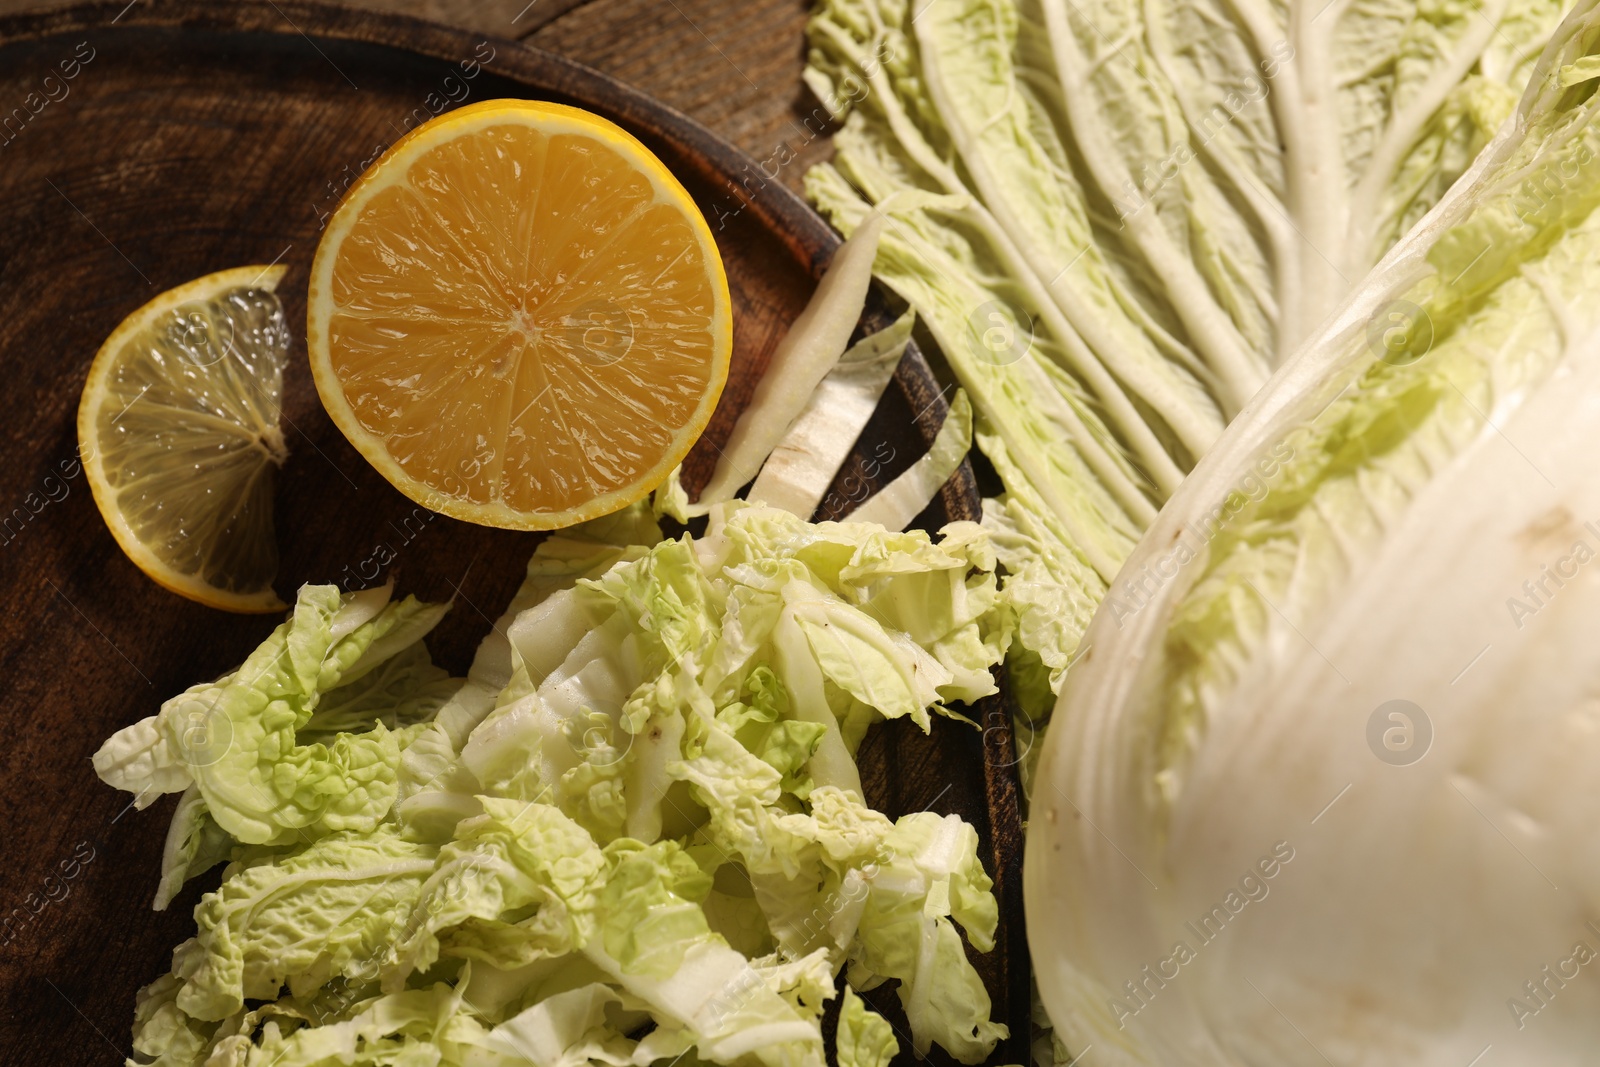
[1425, 534]
[1167, 196]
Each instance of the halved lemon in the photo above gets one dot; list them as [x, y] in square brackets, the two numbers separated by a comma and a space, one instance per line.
[519, 316]
[178, 432]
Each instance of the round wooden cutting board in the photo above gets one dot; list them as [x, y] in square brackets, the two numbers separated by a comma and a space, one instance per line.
[145, 145]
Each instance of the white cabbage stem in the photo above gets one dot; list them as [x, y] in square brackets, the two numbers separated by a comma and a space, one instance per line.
[806, 354]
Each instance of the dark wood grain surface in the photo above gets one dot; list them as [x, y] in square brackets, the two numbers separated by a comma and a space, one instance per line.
[733, 65]
[199, 136]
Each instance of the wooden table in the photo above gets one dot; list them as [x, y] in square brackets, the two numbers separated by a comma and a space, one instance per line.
[732, 64]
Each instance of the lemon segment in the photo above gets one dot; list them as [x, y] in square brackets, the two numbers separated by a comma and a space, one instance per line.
[178, 429]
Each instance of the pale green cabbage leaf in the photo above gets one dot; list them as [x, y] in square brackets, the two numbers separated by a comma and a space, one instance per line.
[1116, 218]
[865, 1038]
[271, 753]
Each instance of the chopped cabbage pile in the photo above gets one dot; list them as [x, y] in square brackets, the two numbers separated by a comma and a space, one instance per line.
[635, 832]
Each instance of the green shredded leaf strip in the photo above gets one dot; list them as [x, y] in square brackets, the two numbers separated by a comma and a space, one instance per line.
[195, 844]
[236, 739]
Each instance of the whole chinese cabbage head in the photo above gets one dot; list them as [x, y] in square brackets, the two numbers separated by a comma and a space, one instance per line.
[1323, 787]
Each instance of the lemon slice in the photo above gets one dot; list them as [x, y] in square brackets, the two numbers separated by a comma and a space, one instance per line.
[519, 317]
[178, 430]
